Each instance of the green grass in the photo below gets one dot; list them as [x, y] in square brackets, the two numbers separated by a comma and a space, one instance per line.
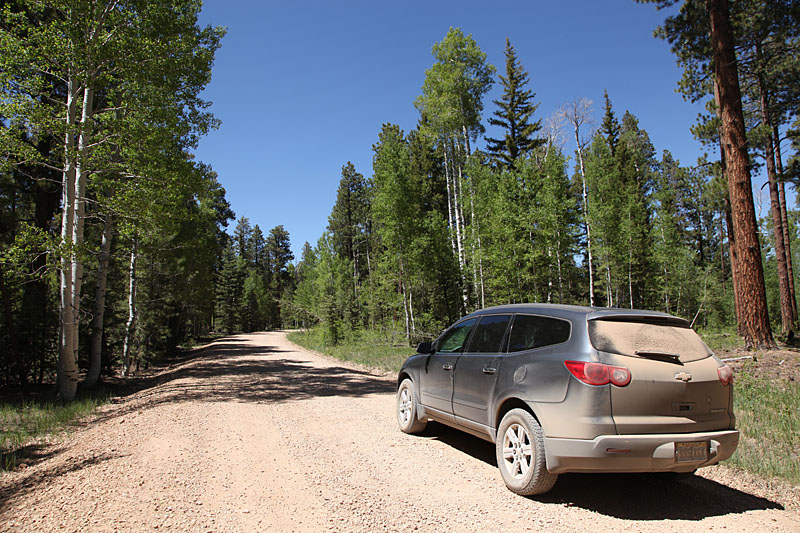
[719, 340]
[367, 348]
[768, 419]
[24, 424]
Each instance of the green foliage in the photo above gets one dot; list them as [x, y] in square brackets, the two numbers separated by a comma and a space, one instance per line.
[24, 424]
[515, 110]
[452, 95]
[768, 417]
[370, 348]
[125, 78]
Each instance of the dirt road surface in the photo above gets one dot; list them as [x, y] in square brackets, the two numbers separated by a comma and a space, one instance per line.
[254, 434]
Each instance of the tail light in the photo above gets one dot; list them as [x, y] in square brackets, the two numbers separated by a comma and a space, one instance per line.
[599, 373]
[725, 375]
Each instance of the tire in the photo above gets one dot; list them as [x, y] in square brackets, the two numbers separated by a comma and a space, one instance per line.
[520, 454]
[407, 412]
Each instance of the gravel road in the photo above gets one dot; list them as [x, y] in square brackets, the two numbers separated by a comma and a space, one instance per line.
[252, 433]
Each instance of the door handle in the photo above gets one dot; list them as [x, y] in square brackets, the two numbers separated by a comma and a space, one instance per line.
[447, 367]
[489, 370]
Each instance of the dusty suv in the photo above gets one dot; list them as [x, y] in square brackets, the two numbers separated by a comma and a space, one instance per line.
[562, 388]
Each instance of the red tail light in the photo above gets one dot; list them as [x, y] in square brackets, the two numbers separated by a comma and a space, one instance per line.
[725, 375]
[599, 373]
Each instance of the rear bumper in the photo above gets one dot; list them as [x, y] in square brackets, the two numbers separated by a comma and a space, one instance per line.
[635, 453]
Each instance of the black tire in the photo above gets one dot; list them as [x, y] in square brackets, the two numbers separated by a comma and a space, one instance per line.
[407, 411]
[520, 454]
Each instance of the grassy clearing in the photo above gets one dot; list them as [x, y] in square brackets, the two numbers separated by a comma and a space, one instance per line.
[720, 341]
[768, 418]
[367, 348]
[27, 423]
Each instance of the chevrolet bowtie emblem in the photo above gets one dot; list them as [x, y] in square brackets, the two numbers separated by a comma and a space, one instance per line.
[683, 376]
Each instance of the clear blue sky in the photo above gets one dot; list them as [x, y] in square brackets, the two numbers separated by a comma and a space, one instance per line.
[304, 87]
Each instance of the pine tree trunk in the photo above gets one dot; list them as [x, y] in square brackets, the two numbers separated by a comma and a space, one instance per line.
[785, 221]
[732, 253]
[130, 326]
[95, 359]
[755, 316]
[775, 205]
[737, 305]
[67, 363]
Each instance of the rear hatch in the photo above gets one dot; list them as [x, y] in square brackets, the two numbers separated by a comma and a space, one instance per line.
[675, 386]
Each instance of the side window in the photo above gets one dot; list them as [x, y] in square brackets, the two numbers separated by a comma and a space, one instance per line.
[489, 333]
[454, 339]
[530, 332]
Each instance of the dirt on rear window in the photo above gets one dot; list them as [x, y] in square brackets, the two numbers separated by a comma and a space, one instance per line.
[647, 339]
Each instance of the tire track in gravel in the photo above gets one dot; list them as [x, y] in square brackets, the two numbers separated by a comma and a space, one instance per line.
[255, 434]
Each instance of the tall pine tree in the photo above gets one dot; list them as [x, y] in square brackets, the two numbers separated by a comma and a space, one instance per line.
[514, 115]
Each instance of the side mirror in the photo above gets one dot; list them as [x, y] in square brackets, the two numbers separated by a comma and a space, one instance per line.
[425, 347]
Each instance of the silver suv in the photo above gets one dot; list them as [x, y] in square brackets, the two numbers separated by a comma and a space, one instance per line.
[562, 388]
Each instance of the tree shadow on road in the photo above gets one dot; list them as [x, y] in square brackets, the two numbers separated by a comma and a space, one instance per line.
[626, 496]
[233, 370]
[27, 481]
[229, 370]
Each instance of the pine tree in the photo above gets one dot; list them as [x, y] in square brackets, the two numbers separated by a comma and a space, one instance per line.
[280, 254]
[229, 292]
[610, 126]
[515, 111]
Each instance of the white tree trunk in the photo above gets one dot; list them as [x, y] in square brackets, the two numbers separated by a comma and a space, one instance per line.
[411, 311]
[458, 218]
[130, 326]
[405, 311]
[586, 219]
[67, 363]
[578, 113]
[95, 359]
[81, 172]
[450, 223]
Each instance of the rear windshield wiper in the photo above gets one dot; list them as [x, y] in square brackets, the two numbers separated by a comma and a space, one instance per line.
[663, 356]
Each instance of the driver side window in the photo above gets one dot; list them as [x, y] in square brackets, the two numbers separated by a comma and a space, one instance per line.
[454, 340]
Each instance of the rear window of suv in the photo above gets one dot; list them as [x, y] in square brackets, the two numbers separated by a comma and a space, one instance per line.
[646, 339]
[529, 332]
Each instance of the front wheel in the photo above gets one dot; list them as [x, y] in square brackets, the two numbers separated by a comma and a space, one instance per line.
[520, 454]
[407, 415]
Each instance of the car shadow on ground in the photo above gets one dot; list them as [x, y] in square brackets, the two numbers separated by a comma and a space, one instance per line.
[626, 496]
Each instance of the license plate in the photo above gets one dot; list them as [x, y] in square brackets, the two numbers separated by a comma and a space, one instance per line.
[691, 452]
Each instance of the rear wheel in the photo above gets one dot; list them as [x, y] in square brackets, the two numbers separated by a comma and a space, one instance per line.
[407, 414]
[520, 454]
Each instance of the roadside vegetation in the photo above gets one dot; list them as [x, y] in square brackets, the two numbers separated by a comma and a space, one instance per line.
[768, 417]
[27, 424]
[371, 349]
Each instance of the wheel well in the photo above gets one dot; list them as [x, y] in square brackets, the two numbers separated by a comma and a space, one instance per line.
[513, 403]
[401, 377]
